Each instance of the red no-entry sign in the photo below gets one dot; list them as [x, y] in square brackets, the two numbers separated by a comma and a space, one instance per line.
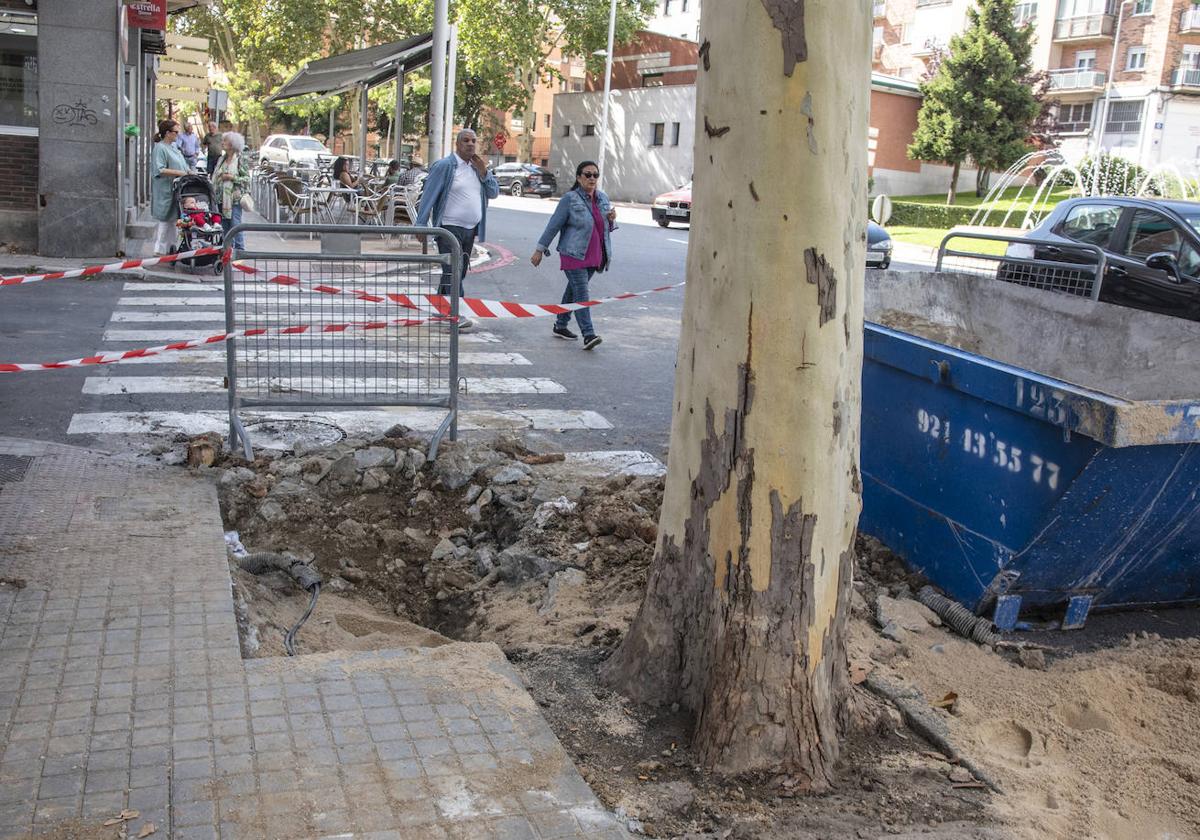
[499, 141]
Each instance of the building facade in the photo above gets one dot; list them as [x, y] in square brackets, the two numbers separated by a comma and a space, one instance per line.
[677, 18]
[1144, 54]
[76, 117]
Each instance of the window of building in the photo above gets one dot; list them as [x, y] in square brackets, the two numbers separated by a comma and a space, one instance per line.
[674, 134]
[656, 133]
[589, 130]
[666, 8]
[545, 162]
[877, 36]
[566, 130]
[683, 5]
[1085, 59]
[577, 86]
[1143, 7]
[546, 119]
[533, 122]
[1135, 59]
[1124, 117]
[652, 80]
[1024, 13]
[562, 85]
[1191, 58]
[1075, 118]
[510, 158]
[19, 71]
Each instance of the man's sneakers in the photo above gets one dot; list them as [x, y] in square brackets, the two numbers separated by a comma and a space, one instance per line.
[591, 341]
[564, 333]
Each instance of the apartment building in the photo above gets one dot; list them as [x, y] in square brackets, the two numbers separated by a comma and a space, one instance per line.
[1150, 69]
[570, 76]
[676, 18]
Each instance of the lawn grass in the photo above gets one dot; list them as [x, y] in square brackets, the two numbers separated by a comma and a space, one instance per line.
[932, 238]
[1007, 200]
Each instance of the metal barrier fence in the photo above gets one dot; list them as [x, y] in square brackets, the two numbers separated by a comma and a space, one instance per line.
[352, 368]
[1072, 268]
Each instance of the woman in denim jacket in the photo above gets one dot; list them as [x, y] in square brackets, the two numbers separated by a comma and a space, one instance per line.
[582, 222]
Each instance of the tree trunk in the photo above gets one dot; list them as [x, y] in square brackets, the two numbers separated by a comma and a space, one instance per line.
[983, 178]
[953, 193]
[525, 142]
[744, 618]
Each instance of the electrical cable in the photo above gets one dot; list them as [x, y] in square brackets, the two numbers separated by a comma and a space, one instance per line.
[289, 640]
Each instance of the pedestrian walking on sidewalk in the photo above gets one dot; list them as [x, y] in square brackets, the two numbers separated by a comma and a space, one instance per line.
[166, 165]
[455, 197]
[212, 147]
[582, 222]
[231, 179]
[188, 142]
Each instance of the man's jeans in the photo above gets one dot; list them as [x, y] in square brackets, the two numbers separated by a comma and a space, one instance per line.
[577, 292]
[466, 240]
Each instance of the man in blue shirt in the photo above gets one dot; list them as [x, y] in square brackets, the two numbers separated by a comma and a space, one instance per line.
[455, 197]
[188, 143]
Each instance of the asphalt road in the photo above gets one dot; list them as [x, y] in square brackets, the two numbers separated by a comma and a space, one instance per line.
[627, 382]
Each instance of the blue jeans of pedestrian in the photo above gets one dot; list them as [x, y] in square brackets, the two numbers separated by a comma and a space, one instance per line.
[577, 292]
[228, 223]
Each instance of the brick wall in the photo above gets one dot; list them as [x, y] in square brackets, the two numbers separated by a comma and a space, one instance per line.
[625, 74]
[18, 172]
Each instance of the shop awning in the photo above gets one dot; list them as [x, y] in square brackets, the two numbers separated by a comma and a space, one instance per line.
[370, 67]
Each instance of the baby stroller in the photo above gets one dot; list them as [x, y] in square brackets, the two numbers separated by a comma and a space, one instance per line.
[199, 220]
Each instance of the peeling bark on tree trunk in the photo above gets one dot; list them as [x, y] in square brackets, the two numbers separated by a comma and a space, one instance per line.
[744, 617]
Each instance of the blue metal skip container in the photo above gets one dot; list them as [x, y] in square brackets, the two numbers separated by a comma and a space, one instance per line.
[1027, 450]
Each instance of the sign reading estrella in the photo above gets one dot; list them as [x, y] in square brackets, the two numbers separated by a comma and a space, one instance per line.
[147, 14]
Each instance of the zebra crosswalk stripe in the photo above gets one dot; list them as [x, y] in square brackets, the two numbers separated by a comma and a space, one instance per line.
[308, 385]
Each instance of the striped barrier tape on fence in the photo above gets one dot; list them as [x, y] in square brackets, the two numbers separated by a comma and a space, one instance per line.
[192, 343]
[440, 304]
[92, 270]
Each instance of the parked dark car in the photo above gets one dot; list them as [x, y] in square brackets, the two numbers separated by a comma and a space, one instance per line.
[521, 178]
[879, 246]
[1152, 250]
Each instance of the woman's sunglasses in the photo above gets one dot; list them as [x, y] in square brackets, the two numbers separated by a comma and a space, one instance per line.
[590, 174]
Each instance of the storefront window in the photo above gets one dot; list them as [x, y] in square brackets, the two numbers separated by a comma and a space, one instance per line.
[18, 70]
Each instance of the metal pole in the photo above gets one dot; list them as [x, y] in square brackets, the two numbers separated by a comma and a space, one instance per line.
[1112, 69]
[362, 128]
[399, 120]
[437, 77]
[451, 77]
[332, 113]
[608, 62]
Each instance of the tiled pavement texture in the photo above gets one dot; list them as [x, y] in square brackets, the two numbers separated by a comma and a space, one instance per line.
[122, 686]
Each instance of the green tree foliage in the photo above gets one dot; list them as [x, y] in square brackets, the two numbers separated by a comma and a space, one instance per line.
[507, 44]
[979, 103]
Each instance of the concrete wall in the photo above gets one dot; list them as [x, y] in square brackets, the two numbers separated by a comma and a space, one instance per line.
[634, 169]
[78, 180]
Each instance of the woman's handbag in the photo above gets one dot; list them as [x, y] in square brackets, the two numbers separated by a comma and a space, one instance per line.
[247, 202]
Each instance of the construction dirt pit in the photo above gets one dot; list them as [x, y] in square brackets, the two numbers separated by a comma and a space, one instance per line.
[547, 555]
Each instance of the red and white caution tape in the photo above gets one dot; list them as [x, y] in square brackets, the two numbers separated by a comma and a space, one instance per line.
[193, 343]
[101, 269]
[440, 304]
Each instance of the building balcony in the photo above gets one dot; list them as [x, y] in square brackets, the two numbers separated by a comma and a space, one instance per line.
[1083, 28]
[1189, 21]
[1186, 78]
[1072, 79]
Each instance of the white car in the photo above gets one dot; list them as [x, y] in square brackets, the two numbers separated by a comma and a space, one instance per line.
[291, 150]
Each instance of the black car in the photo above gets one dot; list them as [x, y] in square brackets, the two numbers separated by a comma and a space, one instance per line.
[879, 247]
[521, 178]
[1151, 248]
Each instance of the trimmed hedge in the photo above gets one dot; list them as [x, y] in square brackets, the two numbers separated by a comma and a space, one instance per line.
[911, 214]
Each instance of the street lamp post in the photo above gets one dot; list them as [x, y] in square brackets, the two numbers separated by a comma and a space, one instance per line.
[1108, 83]
[608, 62]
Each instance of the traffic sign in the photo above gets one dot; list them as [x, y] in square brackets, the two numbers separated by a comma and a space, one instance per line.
[499, 141]
[881, 209]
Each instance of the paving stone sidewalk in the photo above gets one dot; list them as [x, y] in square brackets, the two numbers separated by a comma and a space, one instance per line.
[122, 687]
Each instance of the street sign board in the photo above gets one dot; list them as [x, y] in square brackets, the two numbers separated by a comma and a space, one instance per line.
[218, 100]
[881, 209]
[499, 140]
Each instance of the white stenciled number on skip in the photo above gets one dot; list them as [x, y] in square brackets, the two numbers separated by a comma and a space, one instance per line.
[990, 449]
